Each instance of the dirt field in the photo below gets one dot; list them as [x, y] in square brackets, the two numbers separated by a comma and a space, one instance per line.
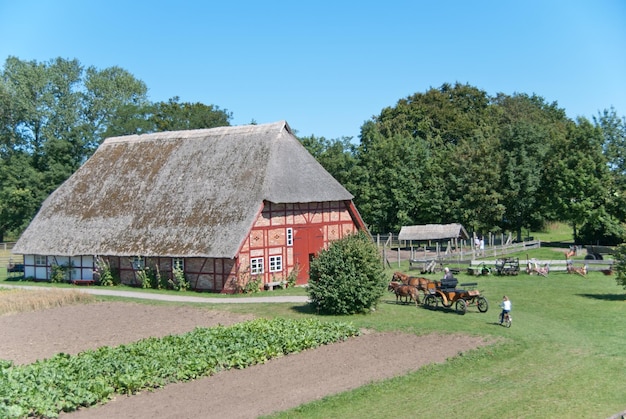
[278, 385]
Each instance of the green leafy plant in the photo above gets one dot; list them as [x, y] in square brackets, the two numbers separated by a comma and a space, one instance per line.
[65, 382]
[104, 274]
[253, 285]
[178, 281]
[348, 277]
[293, 276]
[143, 276]
[150, 277]
[246, 283]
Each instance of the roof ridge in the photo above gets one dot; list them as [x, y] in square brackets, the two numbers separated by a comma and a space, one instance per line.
[196, 133]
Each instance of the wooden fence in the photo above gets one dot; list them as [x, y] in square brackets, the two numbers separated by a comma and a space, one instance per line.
[555, 265]
[432, 256]
[7, 257]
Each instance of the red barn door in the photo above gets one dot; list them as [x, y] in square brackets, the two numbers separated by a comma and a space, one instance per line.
[307, 241]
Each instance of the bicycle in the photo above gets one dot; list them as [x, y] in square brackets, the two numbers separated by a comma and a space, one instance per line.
[507, 320]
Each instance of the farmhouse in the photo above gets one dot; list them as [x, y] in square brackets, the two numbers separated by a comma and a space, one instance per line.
[222, 204]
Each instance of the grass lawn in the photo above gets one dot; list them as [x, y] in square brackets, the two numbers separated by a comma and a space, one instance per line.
[563, 357]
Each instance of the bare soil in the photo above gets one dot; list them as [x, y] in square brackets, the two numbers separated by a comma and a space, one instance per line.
[277, 385]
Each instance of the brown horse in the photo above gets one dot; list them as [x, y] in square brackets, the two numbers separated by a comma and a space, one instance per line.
[393, 285]
[420, 283]
[409, 292]
[399, 277]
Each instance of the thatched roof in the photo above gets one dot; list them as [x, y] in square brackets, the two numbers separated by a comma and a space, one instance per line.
[433, 232]
[176, 194]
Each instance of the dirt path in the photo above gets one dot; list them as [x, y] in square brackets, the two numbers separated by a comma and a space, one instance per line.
[279, 384]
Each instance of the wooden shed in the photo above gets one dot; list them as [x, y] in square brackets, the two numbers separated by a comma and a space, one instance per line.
[222, 203]
[433, 232]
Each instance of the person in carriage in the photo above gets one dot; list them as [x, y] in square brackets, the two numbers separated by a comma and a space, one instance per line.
[448, 281]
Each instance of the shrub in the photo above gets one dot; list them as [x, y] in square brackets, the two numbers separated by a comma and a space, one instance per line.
[246, 283]
[59, 273]
[253, 285]
[348, 277]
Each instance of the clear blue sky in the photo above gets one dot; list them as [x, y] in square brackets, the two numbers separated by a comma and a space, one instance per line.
[328, 66]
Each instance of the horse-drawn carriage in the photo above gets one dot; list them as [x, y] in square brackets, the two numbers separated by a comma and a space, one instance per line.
[446, 293]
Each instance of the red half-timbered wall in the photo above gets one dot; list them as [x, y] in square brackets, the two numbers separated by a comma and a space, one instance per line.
[313, 226]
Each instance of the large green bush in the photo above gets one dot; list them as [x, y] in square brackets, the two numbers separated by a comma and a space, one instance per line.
[348, 277]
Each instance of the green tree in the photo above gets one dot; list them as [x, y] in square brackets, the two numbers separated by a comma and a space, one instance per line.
[44, 100]
[527, 126]
[614, 148]
[473, 173]
[414, 164]
[174, 115]
[19, 198]
[52, 117]
[620, 264]
[337, 156]
[577, 182]
[114, 103]
[390, 179]
[614, 141]
[348, 277]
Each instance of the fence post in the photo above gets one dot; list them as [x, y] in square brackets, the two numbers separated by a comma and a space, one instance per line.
[384, 257]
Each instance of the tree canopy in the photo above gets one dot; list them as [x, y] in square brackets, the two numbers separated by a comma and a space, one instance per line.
[501, 163]
[452, 154]
[53, 116]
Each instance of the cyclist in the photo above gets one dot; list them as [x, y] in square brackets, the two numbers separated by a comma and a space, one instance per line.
[506, 307]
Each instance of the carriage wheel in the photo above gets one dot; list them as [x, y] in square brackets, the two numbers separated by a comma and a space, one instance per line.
[445, 302]
[461, 306]
[430, 302]
[482, 304]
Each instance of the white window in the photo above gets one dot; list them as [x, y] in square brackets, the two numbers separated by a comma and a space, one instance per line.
[178, 263]
[290, 237]
[256, 266]
[276, 263]
[40, 260]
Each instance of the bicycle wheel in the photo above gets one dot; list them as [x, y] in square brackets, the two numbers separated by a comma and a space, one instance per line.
[507, 321]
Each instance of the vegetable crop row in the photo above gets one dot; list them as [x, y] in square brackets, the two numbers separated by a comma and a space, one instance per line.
[66, 382]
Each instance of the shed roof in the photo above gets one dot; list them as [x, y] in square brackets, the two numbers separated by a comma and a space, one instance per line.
[179, 193]
[433, 232]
